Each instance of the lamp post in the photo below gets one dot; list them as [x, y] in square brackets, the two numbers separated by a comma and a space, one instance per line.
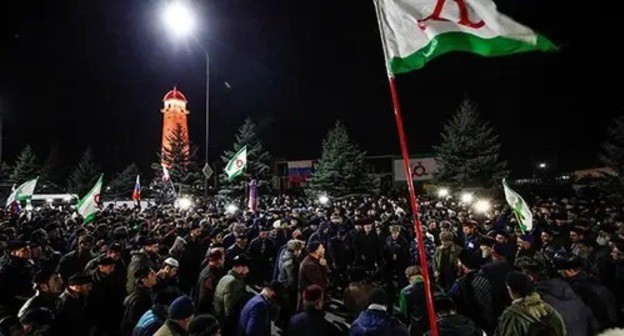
[179, 19]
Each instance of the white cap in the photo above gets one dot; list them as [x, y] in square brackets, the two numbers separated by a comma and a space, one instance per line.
[172, 262]
[277, 224]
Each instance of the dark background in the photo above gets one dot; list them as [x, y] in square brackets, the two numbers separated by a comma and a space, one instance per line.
[79, 73]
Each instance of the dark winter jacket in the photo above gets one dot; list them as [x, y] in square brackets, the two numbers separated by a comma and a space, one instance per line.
[262, 253]
[578, 318]
[74, 318]
[527, 314]
[413, 305]
[254, 318]
[42, 300]
[311, 272]
[288, 267]
[311, 322]
[597, 297]
[396, 254]
[73, 263]
[106, 301]
[136, 304]
[206, 285]
[230, 295]
[377, 322]
[232, 253]
[193, 254]
[15, 284]
[151, 321]
[340, 253]
[456, 325]
[497, 273]
[473, 295]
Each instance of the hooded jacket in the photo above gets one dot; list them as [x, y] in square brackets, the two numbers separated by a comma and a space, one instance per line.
[377, 322]
[526, 314]
[578, 319]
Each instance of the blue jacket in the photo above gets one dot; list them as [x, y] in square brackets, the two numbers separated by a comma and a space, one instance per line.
[374, 322]
[254, 318]
[151, 321]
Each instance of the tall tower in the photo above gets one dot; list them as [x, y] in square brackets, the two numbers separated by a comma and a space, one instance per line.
[174, 110]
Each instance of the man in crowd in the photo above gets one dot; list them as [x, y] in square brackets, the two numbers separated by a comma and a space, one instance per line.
[16, 272]
[231, 295]
[528, 314]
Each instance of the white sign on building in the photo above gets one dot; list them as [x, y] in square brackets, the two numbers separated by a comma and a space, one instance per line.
[422, 169]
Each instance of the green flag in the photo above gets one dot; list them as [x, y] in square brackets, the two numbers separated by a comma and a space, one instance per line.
[88, 205]
[237, 164]
[23, 193]
[519, 207]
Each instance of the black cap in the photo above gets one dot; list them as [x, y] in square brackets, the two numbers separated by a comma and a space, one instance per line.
[379, 296]
[106, 261]
[43, 276]
[115, 247]
[240, 260]
[566, 260]
[79, 279]
[469, 259]
[313, 246]
[142, 273]
[277, 287]
[15, 245]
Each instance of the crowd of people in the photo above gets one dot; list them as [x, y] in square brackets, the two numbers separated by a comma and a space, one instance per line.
[298, 267]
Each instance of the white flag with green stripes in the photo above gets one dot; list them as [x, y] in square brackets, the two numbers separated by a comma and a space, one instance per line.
[23, 193]
[88, 205]
[237, 164]
[519, 207]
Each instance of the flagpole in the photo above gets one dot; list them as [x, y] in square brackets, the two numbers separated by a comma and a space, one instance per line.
[417, 225]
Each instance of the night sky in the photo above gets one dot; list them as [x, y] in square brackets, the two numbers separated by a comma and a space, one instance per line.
[79, 73]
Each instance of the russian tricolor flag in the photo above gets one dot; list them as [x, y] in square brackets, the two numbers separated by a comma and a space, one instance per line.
[136, 194]
[299, 171]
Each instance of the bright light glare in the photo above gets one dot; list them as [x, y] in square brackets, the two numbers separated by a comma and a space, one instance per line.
[178, 18]
[185, 203]
[29, 207]
[542, 165]
[67, 198]
[232, 208]
[49, 200]
[323, 199]
[443, 192]
[467, 197]
[482, 206]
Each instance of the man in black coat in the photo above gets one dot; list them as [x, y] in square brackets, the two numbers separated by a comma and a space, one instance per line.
[139, 301]
[340, 253]
[15, 275]
[48, 285]
[74, 318]
[207, 283]
[497, 271]
[451, 323]
[106, 297]
[194, 253]
[239, 247]
[396, 256]
[595, 295]
[262, 253]
[578, 318]
[76, 261]
[311, 321]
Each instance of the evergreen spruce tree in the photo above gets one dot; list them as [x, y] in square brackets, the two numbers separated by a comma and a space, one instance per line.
[469, 155]
[84, 176]
[613, 148]
[258, 162]
[180, 158]
[25, 167]
[123, 183]
[340, 171]
[52, 170]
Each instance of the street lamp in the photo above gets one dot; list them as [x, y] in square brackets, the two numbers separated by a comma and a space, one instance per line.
[179, 19]
[323, 199]
[467, 197]
[443, 192]
[482, 206]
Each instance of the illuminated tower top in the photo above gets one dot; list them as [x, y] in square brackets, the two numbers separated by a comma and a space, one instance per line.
[174, 101]
[174, 113]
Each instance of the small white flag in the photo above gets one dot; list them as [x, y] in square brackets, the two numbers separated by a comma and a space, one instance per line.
[237, 164]
[519, 207]
[22, 193]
